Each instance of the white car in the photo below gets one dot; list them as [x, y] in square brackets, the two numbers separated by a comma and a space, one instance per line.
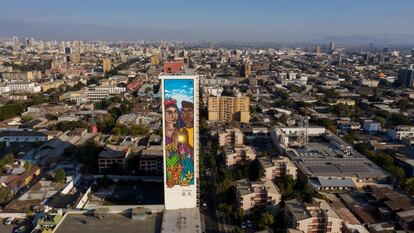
[243, 225]
[204, 206]
[8, 220]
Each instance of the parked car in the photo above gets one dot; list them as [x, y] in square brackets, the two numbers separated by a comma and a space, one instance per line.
[249, 223]
[205, 206]
[21, 229]
[9, 220]
[243, 225]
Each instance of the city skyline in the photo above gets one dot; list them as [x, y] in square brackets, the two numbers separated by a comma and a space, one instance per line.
[380, 22]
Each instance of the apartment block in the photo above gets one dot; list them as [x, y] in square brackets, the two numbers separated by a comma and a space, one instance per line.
[227, 109]
[238, 155]
[263, 195]
[106, 65]
[230, 137]
[315, 217]
[277, 167]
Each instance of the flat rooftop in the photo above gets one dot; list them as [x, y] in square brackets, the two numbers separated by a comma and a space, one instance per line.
[181, 221]
[330, 156]
[109, 223]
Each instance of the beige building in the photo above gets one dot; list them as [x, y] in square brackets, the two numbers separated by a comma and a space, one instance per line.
[246, 69]
[238, 155]
[257, 195]
[154, 59]
[75, 57]
[229, 109]
[277, 167]
[30, 75]
[51, 85]
[315, 217]
[106, 65]
[230, 137]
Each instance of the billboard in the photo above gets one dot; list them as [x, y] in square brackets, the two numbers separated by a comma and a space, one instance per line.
[179, 108]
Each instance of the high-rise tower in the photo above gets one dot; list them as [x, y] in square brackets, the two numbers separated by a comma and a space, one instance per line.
[180, 140]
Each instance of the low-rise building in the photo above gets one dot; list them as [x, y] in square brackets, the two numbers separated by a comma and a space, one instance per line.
[371, 126]
[263, 195]
[23, 136]
[238, 155]
[112, 90]
[47, 108]
[315, 217]
[52, 85]
[97, 95]
[277, 167]
[151, 160]
[30, 87]
[230, 137]
[402, 131]
[113, 156]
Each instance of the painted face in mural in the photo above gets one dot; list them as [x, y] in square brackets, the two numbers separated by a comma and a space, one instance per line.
[187, 114]
[171, 116]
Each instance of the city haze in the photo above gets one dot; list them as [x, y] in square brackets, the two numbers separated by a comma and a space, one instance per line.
[380, 22]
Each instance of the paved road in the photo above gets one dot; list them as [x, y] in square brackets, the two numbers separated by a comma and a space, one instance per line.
[210, 215]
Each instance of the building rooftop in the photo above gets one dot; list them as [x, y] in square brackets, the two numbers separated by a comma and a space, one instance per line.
[113, 151]
[245, 186]
[109, 223]
[182, 221]
[330, 156]
[267, 162]
[25, 133]
[302, 210]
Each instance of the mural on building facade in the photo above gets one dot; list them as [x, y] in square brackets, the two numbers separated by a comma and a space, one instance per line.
[179, 132]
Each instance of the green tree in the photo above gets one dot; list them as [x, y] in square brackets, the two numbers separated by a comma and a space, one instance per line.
[266, 220]
[225, 208]
[255, 170]
[60, 175]
[239, 214]
[5, 195]
[409, 185]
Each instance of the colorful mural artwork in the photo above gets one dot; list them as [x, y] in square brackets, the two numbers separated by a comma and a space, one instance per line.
[179, 132]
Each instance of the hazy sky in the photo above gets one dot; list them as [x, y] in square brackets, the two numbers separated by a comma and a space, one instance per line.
[389, 21]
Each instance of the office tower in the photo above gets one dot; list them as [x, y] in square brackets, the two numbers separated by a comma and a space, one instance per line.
[406, 77]
[68, 50]
[180, 143]
[229, 109]
[331, 47]
[106, 64]
[16, 40]
[246, 69]
[26, 42]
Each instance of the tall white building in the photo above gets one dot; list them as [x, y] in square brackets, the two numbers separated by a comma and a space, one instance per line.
[180, 144]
